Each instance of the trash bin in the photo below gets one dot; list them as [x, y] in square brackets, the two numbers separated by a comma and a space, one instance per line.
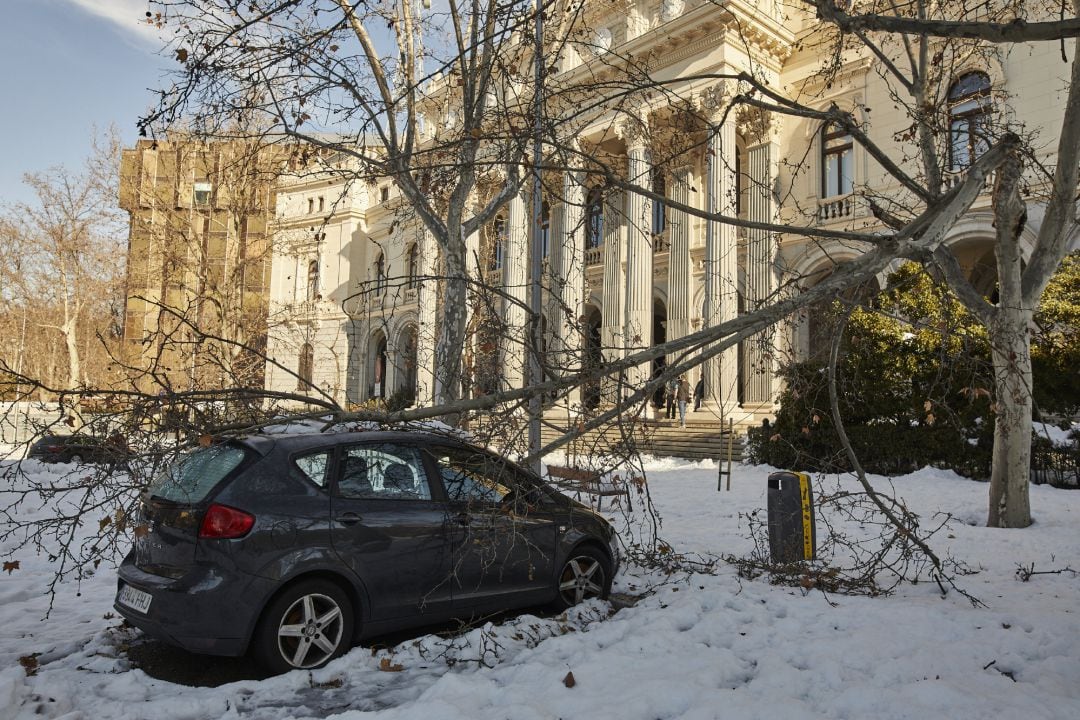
[792, 534]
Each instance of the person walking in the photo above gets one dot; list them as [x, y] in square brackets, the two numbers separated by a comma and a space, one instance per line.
[683, 396]
[699, 393]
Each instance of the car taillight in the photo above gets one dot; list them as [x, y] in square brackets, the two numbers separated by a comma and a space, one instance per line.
[225, 523]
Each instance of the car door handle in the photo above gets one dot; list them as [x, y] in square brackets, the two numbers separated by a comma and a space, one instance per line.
[349, 518]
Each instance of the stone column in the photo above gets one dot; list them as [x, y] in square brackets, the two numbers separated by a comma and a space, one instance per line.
[428, 300]
[758, 368]
[515, 269]
[568, 275]
[721, 256]
[639, 259]
[612, 312]
[473, 272]
[680, 285]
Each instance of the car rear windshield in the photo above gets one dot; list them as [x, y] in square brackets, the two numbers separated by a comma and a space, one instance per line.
[191, 477]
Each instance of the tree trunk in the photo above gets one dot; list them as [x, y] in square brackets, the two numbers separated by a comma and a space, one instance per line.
[449, 347]
[1011, 349]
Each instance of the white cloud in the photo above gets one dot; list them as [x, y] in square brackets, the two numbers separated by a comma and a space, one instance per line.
[127, 15]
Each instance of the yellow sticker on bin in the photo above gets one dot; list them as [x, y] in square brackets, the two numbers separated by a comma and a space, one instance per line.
[807, 519]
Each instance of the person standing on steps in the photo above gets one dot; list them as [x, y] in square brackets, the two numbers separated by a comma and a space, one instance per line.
[683, 396]
[670, 388]
[699, 393]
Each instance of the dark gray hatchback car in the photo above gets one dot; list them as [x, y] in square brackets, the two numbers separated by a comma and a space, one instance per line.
[296, 546]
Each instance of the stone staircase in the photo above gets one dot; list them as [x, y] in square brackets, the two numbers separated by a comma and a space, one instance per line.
[701, 439]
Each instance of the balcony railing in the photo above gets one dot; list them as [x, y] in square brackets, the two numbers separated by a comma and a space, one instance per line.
[594, 255]
[836, 208]
[952, 178]
[660, 242]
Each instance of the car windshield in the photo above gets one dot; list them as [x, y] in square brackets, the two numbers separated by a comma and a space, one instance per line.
[190, 477]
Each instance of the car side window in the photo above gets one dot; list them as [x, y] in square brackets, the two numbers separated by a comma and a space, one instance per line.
[470, 477]
[314, 466]
[383, 472]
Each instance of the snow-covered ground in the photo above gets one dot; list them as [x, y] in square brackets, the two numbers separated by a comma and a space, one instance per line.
[695, 646]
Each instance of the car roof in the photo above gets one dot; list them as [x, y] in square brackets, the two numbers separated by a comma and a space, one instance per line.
[67, 437]
[293, 442]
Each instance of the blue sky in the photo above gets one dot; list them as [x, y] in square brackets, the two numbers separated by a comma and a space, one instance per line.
[70, 65]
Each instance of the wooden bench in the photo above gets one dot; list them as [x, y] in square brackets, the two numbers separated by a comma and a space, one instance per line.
[589, 482]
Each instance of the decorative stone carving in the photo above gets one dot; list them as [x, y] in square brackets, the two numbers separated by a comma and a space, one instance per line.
[713, 100]
[757, 125]
[602, 41]
[671, 9]
[633, 130]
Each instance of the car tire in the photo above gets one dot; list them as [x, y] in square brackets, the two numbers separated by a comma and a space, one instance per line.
[76, 459]
[585, 574]
[305, 627]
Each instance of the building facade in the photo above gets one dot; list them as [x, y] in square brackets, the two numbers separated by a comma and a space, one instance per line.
[198, 264]
[627, 270]
[344, 289]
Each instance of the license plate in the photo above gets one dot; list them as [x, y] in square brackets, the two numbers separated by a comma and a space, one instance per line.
[134, 599]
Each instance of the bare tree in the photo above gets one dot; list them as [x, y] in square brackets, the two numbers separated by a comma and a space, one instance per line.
[918, 48]
[349, 77]
[60, 276]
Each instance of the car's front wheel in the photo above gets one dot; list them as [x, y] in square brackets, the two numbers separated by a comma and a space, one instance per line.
[76, 459]
[307, 626]
[586, 574]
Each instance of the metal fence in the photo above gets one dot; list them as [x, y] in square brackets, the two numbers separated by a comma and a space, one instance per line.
[20, 421]
[1058, 466]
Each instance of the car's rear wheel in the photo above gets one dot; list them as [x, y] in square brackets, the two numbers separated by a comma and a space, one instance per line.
[76, 459]
[586, 574]
[307, 626]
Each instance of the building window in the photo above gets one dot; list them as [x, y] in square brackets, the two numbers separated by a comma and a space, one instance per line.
[322, 203]
[969, 118]
[306, 368]
[659, 210]
[380, 274]
[545, 227]
[384, 193]
[313, 281]
[498, 243]
[594, 218]
[310, 205]
[202, 193]
[412, 260]
[836, 161]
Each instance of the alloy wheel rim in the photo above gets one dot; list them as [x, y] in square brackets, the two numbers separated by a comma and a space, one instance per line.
[310, 631]
[582, 578]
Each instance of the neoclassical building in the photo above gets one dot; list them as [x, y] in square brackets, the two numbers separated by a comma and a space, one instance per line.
[338, 324]
[353, 299]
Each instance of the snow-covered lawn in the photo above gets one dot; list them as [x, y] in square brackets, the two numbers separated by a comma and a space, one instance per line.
[696, 646]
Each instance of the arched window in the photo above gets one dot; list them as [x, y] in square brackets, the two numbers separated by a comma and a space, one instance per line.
[969, 115]
[498, 243]
[545, 227]
[380, 274]
[659, 210]
[412, 260]
[836, 161]
[307, 366]
[594, 218]
[313, 281]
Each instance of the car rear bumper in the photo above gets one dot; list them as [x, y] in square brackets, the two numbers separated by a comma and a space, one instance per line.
[205, 611]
